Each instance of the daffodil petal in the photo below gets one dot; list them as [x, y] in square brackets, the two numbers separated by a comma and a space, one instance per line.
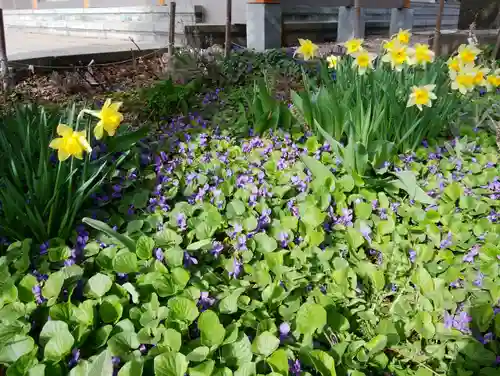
[55, 143]
[63, 130]
[99, 130]
[62, 155]
[116, 106]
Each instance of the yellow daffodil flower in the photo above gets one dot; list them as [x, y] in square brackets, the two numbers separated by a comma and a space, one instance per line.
[397, 56]
[480, 76]
[403, 36]
[463, 81]
[71, 143]
[110, 119]
[354, 46]
[421, 96]
[332, 61]
[307, 49]
[454, 64]
[363, 61]
[389, 44]
[493, 80]
[467, 53]
[420, 54]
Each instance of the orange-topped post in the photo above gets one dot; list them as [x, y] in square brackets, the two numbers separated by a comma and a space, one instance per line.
[401, 18]
[263, 24]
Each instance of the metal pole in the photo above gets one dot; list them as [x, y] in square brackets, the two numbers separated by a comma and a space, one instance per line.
[357, 19]
[436, 45]
[229, 14]
[171, 32]
[4, 68]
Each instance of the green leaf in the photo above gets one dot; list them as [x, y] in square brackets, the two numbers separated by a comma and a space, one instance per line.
[202, 244]
[25, 288]
[121, 344]
[134, 226]
[423, 280]
[376, 344]
[239, 352]
[58, 346]
[265, 344]
[125, 262]
[354, 238]
[15, 348]
[211, 331]
[453, 191]
[310, 317]
[482, 315]
[59, 253]
[265, 243]
[172, 339]
[323, 362]
[174, 256]
[103, 227]
[101, 336]
[111, 309]
[318, 169]
[131, 368]
[247, 369]
[229, 304]
[134, 295]
[363, 210]
[182, 309]
[84, 313]
[278, 361]
[144, 247]
[311, 215]
[423, 325]
[102, 365]
[99, 285]
[170, 364]
[407, 181]
[203, 369]
[53, 285]
[167, 238]
[199, 354]
[235, 209]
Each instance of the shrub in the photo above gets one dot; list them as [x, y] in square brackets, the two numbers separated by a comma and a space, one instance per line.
[166, 98]
[247, 262]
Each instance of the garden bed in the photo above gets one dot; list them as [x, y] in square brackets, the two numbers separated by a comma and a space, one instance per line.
[274, 228]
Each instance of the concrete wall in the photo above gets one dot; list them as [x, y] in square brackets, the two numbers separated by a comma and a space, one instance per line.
[146, 23]
[150, 23]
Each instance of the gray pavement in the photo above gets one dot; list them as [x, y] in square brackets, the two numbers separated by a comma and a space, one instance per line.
[23, 45]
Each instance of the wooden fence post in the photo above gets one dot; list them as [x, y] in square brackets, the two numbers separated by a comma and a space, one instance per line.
[229, 21]
[436, 45]
[4, 68]
[357, 19]
[171, 31]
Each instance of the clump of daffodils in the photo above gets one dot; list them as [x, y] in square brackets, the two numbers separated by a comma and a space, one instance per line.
[399, 54]
[73, 143]
[466, 75]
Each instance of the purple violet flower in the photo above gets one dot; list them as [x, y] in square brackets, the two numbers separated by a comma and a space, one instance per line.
[181, 221]
[217, 248]
[294, 367]
[237, 268]
[473, 252]
[158, 254]
[205, 301]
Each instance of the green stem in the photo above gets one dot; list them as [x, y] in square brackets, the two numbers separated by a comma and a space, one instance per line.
[54, 205]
